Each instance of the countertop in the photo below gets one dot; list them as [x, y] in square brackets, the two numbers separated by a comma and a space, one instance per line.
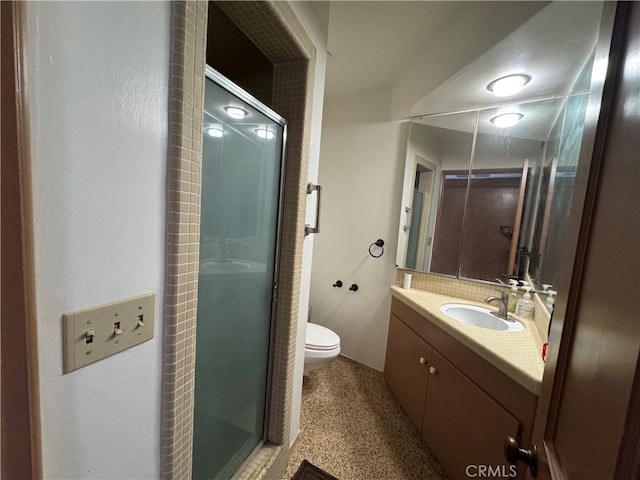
[516, 354]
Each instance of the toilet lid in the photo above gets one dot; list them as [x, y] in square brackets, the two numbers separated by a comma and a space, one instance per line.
[321, 338]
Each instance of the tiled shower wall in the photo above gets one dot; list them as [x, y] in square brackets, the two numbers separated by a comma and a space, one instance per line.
[275, 29]
[185, 160]
[236, 57]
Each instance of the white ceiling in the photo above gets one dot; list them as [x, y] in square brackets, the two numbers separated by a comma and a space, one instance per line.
[369, 42]
[552, 46]
[373, 43]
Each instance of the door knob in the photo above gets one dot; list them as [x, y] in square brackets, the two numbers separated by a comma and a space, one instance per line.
[433, 370]
[423, 360]
[513, 453]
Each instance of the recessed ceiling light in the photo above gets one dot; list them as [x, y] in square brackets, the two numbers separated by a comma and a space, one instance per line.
[509, 84]
[215, 132]
[236, 112]
[506, 120]
[264, 133]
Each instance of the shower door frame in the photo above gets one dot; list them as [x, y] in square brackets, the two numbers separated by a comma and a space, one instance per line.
[222, 81]
[274, 27]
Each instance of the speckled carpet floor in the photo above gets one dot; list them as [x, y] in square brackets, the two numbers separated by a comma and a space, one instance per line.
[354, 428]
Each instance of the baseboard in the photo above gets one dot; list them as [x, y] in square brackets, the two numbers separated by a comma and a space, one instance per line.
[294, 445]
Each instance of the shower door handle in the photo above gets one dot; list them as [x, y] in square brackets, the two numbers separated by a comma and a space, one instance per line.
[308, 228]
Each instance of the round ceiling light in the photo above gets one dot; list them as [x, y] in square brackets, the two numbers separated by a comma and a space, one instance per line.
[236, 112]
[264, 133]
[509, 84]
[215, 132]
[506, 120]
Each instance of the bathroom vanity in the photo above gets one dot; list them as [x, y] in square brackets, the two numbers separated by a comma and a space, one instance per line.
[466, 388]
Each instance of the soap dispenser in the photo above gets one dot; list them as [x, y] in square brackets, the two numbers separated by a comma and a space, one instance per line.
[525, 306]
[513, 296]
[550, 300]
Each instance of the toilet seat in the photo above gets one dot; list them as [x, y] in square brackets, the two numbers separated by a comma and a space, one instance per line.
[320, 338]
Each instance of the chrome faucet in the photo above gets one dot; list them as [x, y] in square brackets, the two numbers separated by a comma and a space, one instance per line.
[502, 306]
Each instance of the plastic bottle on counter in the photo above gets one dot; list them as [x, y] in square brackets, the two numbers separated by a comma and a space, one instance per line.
[525, 306]
[550, 300]
[513, 296]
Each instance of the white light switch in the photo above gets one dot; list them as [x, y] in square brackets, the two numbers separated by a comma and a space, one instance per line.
[95, 333]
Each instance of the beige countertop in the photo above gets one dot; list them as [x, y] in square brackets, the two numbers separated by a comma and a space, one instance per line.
[516, 354]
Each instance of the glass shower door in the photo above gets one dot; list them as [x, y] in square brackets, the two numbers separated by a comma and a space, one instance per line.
[243, 151]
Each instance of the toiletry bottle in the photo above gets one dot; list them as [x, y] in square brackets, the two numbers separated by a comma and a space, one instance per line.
[513, 296]
[525, 306]
[550, 300]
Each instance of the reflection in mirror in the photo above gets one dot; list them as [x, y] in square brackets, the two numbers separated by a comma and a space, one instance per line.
[556, 179]
[490, 203]
[438, 148]
[237, 179]
[503, 170]
[498, 207]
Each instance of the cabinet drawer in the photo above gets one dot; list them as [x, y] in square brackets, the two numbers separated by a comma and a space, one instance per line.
[406, 368]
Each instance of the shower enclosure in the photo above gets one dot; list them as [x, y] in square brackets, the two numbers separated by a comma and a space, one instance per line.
[242, 166]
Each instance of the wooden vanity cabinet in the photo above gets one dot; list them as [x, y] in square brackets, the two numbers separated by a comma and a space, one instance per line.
[406, 368]
[462, 424]
[463, 406]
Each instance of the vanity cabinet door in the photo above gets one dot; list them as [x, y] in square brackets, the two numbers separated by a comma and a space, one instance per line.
[406, 368]
[464, 426]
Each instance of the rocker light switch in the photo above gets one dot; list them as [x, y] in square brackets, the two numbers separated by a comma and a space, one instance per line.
[99, 332]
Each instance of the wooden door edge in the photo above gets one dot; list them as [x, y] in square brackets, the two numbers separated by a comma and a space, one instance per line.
[21, 297]
[612, 47]
[629, 455]
[578, 228]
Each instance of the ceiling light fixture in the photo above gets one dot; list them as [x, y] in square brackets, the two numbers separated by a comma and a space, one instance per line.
[506, 120]
[215, 132]
[236, 112]
[264, 133]
[509, 84]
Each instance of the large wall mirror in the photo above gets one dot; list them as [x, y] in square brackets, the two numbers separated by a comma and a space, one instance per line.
[487, 190]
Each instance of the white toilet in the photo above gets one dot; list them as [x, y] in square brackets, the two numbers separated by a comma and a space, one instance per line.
[321, 346]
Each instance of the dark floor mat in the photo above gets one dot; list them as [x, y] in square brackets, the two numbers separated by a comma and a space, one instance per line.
[308, 471]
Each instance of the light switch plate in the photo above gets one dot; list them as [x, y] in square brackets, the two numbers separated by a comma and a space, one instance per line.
[99, 332]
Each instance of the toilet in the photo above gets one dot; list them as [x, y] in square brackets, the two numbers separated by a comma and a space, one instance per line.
[321, 346]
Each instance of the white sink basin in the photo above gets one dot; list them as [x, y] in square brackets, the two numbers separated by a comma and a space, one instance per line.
[479, 317]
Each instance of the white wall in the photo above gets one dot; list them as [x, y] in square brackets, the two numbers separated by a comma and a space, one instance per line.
[366, 106]
[314, 17]
[361, 170]
[97, 88]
